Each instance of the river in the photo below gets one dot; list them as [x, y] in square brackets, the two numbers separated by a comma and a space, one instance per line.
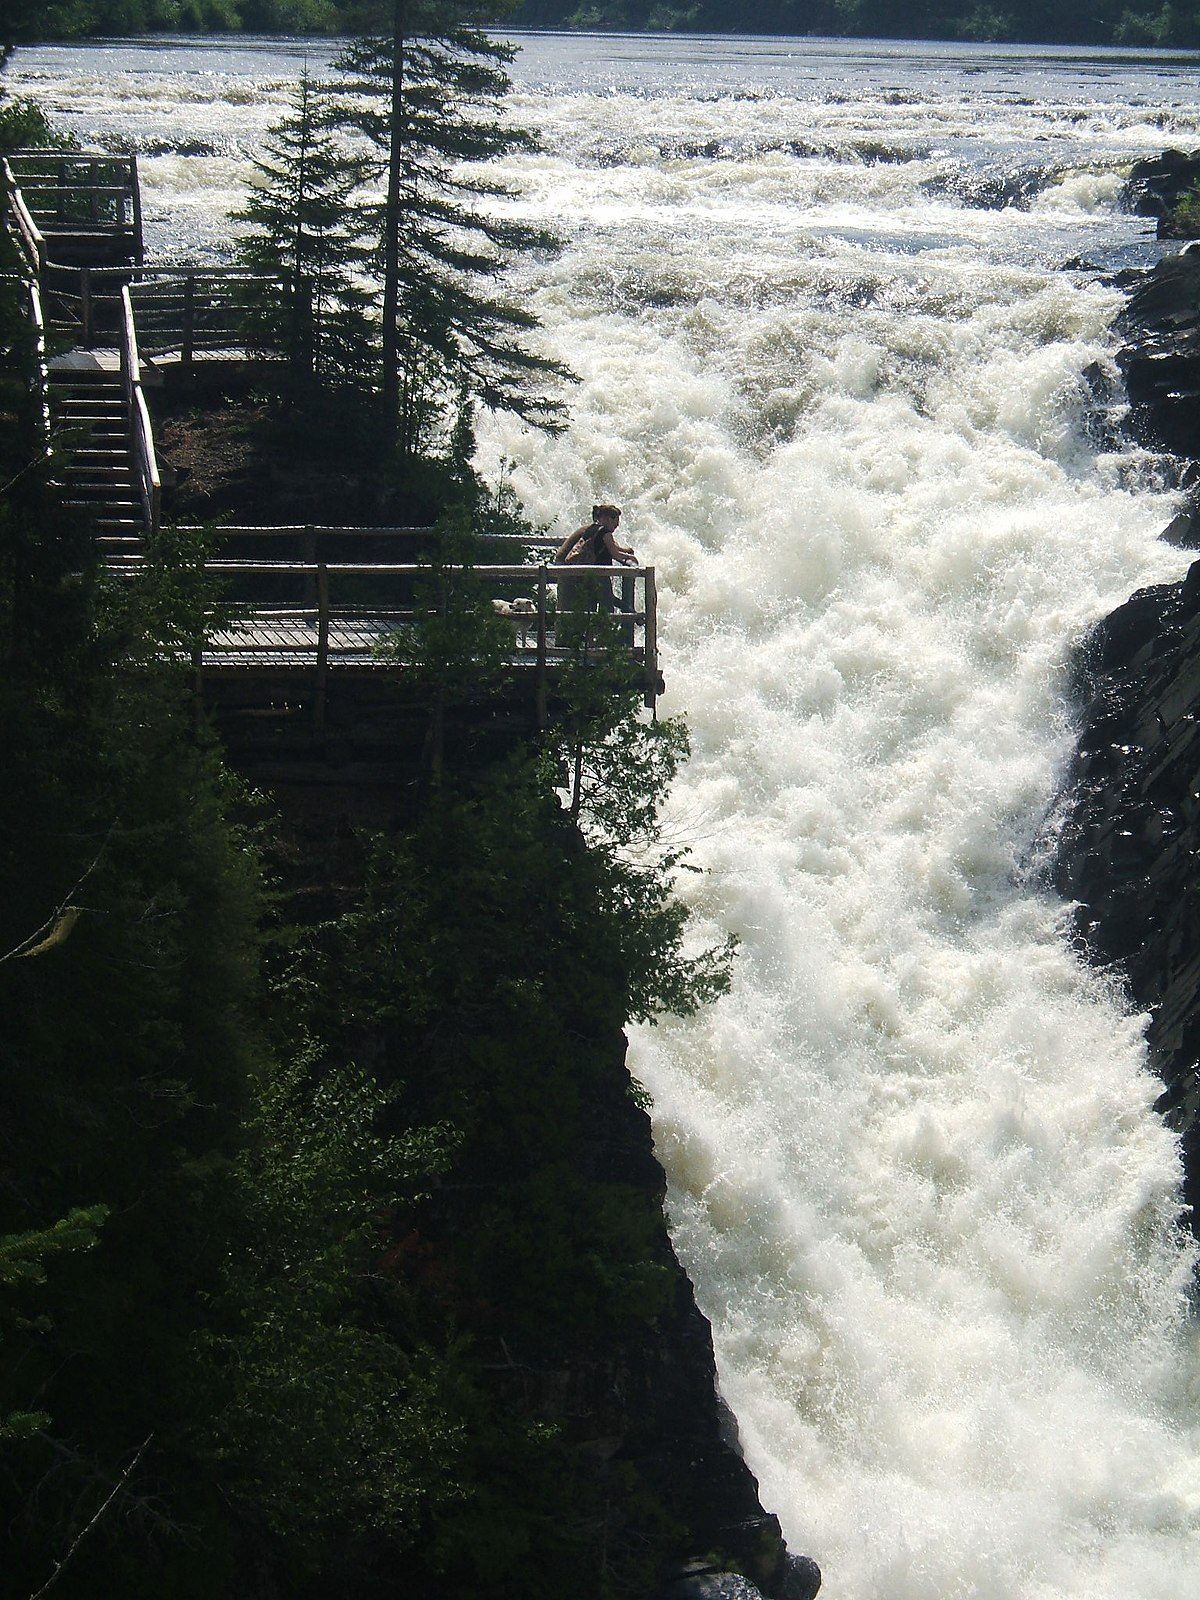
[855, 407]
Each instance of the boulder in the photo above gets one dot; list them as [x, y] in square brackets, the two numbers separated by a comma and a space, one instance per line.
[1156, 187]
[1160, 357]
[697, 1580]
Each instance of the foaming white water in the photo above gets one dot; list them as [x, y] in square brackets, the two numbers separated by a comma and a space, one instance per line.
[914, 1168]
[839, 389]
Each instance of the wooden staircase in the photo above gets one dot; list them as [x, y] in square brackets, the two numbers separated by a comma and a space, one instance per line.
[94, 451]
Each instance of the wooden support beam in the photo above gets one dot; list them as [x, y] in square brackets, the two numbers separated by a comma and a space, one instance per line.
[322, 646]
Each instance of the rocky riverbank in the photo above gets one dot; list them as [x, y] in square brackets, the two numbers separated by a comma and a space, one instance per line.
[1131, 841]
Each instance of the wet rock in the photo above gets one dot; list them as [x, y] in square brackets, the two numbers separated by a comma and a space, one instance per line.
[1160, 358]
[1129, 846]
[800, 1579]
[712, 1586]
[1156, 187]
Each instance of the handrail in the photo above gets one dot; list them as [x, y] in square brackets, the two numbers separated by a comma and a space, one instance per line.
[168, 270]
[142, 435]
[531, 627]
[38, 192]
[40, 375]
[48, 173]
[29, 236]
[59, 160]
[113, 190]
[412, 569]
[309, 530]
[193, 309]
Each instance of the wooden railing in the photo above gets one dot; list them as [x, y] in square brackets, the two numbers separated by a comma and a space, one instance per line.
[39, 376]
[193, 310]
[322, 541]
[70, 193]
[26, 232]
[184, 310]
[318, 635]
[141, 434]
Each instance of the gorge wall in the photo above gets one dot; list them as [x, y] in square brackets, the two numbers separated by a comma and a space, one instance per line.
[1130, 845]
[628, 1389]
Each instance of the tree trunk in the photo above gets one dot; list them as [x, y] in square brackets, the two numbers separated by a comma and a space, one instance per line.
[391, 224]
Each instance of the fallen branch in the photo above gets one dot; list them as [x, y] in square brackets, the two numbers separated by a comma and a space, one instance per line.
[61, 1566]
[59, 923]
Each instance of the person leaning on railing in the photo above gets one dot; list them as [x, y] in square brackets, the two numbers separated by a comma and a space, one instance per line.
[593, 545]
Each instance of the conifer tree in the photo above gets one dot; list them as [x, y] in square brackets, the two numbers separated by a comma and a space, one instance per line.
[305, 235]
[427, 93]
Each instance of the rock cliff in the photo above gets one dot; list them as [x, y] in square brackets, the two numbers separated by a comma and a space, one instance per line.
[630, 1393]
[1131, 841]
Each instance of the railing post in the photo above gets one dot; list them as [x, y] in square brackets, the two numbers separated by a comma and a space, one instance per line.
[308, 555]
[651, 694]
[135, 191]
[39, 378]
[540, 677]
[188, 335]
[198, 686]
[628, 585]
[322, 645]
[85, 304]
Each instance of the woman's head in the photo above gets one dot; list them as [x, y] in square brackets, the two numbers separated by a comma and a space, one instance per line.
[610, 515]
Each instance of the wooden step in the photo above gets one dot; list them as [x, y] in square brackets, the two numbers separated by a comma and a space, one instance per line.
[115, 513]
[114, 425]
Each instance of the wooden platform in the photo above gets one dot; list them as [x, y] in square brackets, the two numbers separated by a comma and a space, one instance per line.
[301, 683]
[281, 641]
[293, 639]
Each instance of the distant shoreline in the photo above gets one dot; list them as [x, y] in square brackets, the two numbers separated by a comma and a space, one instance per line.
[1046, 49]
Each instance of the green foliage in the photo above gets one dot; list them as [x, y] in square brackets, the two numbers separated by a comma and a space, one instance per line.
[458, 645]
[1184, 220]
[24, 126]
[128, 905]
[304, 235]
[329, 1427]
[326, 1330]
[458, 651]
[23, 1263]
[427, 95]
[425, 99]
[1106, 22]
[618, 766]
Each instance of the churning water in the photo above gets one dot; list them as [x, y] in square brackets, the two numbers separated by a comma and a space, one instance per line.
[845, 361]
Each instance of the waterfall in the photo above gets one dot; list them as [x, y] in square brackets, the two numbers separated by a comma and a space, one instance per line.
[841, 316]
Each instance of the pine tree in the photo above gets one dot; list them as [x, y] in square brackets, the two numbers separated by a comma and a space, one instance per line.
[427, 95]
[305, 235]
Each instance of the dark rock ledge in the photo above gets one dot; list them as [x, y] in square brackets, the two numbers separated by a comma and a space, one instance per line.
[1130, 849]
[654, 1403]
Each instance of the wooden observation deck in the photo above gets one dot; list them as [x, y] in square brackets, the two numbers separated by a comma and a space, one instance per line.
[307, 673]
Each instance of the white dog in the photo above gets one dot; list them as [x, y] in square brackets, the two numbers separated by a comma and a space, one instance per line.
[520, 611]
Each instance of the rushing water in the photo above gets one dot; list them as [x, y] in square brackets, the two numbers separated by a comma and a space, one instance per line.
[838, 385]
